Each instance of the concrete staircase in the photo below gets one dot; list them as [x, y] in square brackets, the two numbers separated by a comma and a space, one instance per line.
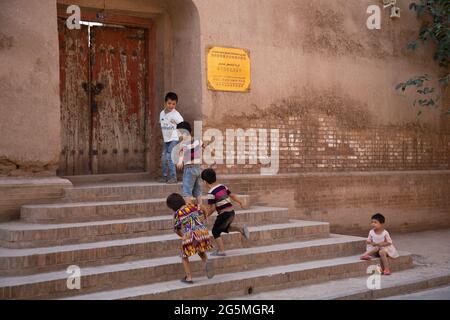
[120, 235]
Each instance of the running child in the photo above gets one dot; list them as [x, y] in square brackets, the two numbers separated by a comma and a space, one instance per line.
[219, 199]
[194, 235]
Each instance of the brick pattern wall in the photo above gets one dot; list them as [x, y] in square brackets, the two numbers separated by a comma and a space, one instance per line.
[15, 192]
[410, 200]
[321, 141]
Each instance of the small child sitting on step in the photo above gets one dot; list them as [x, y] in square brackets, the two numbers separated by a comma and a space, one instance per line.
[379, 244]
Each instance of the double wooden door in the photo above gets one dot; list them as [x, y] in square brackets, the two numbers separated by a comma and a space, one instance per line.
[103, 72]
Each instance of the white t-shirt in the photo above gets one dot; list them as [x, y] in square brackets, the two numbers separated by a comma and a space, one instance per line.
[169, 123]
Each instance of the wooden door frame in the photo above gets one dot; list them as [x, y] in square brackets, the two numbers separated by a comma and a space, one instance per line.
[150, 27]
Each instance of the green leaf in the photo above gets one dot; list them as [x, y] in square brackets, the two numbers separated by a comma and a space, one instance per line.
[434, 16]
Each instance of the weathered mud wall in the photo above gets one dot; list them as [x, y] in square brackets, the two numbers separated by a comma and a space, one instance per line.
[29, 88]
[328, 83]
[318, 74]
[350, 144]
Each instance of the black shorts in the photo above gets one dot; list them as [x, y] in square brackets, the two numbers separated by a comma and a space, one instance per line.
[223, 223]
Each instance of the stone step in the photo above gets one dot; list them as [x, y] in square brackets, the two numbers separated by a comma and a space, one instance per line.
[109, 178]
[120, 191]
[98, 210]
[20, 234]
[36, 260]
[403, 282]
[117, 276]
[241, 283]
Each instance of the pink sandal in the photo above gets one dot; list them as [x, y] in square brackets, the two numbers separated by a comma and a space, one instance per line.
[365, 257]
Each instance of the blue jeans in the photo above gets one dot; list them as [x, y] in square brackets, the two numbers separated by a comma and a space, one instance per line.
[166, 160]
[192, 181]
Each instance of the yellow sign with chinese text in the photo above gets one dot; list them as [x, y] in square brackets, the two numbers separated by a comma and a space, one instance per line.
[228, 69]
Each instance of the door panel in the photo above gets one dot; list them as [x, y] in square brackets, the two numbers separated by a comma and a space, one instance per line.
[75, 111]
[119, 68]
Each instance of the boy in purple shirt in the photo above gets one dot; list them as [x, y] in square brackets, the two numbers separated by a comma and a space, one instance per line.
[219, 199]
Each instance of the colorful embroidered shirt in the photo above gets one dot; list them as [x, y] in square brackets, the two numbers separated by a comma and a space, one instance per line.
[194, 234]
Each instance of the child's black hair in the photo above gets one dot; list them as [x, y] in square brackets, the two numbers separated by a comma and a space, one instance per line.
[175, 201]
[185, 126]
[209, 175]
[171, 96]
[379, 217]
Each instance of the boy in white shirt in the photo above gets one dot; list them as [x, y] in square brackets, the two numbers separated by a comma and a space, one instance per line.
[169, 119]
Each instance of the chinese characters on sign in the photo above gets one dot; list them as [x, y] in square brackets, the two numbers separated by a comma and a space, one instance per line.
[228, 69]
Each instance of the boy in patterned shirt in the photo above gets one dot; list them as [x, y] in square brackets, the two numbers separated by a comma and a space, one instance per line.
[219, 199]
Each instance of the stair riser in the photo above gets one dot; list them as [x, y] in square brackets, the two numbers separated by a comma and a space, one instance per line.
[109, 178]
[97, 212]
[120, 193]
[93, 213]
[90, 257]
[148, 275]
[275, 282]
[76, 235]
[397, 290]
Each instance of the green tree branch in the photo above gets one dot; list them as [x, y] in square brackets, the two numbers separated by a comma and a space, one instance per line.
[435, 17]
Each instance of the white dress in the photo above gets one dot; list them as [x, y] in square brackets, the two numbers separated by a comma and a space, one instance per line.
[382, 237]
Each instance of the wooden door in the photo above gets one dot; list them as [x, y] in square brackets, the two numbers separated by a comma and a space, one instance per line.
[104, 101]
[75, 109]
[119, 72]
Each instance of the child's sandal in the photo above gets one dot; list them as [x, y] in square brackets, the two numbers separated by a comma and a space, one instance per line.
[387, 272]
[366, 257]
[184, 280]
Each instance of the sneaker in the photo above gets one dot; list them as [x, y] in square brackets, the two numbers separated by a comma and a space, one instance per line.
[172, 181]
[218, 254]
[246, 233]
[209, 269]
[163, 180]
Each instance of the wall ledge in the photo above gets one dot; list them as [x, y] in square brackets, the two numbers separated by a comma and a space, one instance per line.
[8, 182]
[334, 174]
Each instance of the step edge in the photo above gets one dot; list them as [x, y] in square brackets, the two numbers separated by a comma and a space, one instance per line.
[162, 287]
[111, 243]
[60, 226]
[100, 203]
[140, 264]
